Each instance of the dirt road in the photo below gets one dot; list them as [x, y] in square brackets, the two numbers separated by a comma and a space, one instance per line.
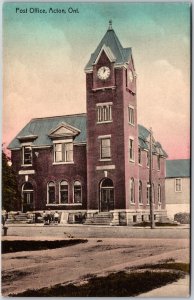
[36, 269]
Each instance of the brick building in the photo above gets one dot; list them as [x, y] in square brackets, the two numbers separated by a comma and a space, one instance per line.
[94, 164]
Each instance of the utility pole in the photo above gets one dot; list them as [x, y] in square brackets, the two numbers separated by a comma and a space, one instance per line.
[150, 182]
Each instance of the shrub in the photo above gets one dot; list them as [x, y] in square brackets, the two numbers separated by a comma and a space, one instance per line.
[183, 218]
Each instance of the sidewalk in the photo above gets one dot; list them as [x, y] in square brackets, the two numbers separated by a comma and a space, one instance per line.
[185, 226]
[178, 289]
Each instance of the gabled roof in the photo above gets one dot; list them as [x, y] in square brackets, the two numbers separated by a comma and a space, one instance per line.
[178, 168]
[144, 142]
[42, 127]
[110, 40]
[43, 130]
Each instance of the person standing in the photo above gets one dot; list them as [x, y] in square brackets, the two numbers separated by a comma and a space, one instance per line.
[44, 216]
[56, 217]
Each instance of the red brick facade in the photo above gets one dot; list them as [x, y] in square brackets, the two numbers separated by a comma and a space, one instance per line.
[108, 169]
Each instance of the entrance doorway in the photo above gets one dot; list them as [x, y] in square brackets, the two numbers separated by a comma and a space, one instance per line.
[27, 197]
[106, 195]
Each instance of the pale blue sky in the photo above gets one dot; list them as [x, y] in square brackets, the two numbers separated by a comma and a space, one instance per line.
[45, 56]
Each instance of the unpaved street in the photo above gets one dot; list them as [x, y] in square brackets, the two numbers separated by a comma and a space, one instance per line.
[36, 269]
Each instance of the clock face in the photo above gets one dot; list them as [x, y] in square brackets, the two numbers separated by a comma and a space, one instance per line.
[130, 76]
[103, 73]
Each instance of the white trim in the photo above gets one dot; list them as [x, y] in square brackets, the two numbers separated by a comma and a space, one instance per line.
[105, 159]
[65, 125]
[104, 136]
[29, 165]
[105, 88]
[26, 172]
[64, 204]
[42, 146]
[116, 66]
[131, 160]
[104, 103]
[63, 163]
[108, 167]
[63, 141]
[108, 53]
[104, 122]
[26, 144]
[14, 149]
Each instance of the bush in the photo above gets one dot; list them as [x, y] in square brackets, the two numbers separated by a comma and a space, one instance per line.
[182, 218]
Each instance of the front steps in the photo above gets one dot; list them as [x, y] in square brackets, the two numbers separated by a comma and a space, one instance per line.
[101, 218]
[19, 218]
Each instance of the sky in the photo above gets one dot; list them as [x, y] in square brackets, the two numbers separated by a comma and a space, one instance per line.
[44, 55]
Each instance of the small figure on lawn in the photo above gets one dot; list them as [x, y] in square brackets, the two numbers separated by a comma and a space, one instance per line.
[48, 216]
[44, 216]
[56, 217]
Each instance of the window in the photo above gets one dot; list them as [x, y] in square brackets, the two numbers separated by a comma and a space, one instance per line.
[159, 193]
[178, 185]
[148, 159]
[131, 149]
[64, 192]
[131, 115]
[132, 190]
[105, 148]
[77, 192]
[139, 155]
[27, 195]
[153, 194]
[148, 193]
[63, 152]
[104, 113]
[140, 192]
[158, 161]
[27, 155]
[51, 192]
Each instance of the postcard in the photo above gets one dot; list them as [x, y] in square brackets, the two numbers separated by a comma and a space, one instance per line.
[96, 149]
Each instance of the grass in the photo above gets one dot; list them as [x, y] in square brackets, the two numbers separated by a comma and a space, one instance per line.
[120, 284]
[168, 266]
[144, 224]
[22, 245]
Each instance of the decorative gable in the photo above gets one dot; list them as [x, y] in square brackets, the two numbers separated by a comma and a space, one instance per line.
[64, 130]
[108, 53]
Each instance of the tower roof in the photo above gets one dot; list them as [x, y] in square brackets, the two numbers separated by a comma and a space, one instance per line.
[111, 41]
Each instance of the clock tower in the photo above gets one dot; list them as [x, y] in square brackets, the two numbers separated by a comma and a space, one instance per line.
[112, 135]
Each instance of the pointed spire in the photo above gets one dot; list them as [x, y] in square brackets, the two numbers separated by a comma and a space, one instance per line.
[110, 25]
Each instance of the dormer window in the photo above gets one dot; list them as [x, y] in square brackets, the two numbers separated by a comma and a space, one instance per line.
[27, 155]
[63, 152]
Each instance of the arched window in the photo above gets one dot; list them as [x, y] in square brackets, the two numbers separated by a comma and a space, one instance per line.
[77, 192]
[132, 190]
[51, 192]
[27, 197]
[64, 192]
[140, 191]
[159, 193]
[27, 186]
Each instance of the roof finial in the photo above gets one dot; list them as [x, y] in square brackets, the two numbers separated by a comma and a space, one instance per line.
[110, 25]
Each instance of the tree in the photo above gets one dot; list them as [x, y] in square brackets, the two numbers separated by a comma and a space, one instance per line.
[10, 193]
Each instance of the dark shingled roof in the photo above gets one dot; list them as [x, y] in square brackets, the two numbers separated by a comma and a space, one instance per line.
[110, 40]
[38, 131]
[42, 126]
[144, 142]
[178, 168]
